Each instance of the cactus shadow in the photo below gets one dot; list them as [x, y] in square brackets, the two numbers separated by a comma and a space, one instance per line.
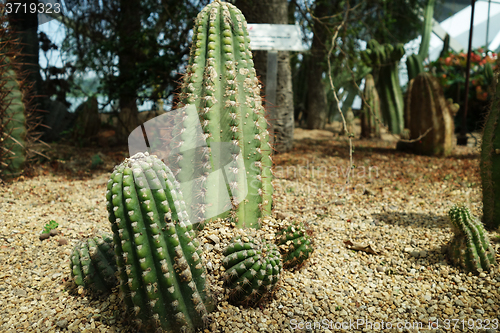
[412, 220]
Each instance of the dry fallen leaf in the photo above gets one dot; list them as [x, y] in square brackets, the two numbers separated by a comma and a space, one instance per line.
[359, 247]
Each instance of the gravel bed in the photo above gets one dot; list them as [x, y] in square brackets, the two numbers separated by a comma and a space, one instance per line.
[397, 203]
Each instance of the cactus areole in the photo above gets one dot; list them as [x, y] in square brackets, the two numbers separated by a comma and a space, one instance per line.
[490, 164]
[162, 279]
[221, 82]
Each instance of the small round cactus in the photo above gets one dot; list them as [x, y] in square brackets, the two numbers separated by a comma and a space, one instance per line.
[93, 264]
[295, 244]
[253, 269]
[470, 248]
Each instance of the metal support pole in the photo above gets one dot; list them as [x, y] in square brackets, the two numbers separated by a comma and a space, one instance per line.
[488, 27]
[462, 139]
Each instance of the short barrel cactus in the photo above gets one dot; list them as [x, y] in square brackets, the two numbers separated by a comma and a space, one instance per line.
[221, 82]
[295, 244]
[93, 264]
[162, 279]
[470, 248]
[253, 269]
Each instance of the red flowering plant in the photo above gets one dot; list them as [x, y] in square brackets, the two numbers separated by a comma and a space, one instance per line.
[450, 69]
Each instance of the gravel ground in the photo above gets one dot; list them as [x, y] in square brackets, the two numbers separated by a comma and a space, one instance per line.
[397, 203]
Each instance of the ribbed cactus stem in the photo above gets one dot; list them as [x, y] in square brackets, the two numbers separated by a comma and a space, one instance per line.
[221, 82]
[295, 244]
[93, 264]
[470, 247]
[428, 112]
[159, 259]
[12, 121]
[253, 269]
[490, 163]
[371, 115]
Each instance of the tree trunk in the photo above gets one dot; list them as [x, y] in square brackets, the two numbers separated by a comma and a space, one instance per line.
[276, 12]
[129, 27]
[317, 111]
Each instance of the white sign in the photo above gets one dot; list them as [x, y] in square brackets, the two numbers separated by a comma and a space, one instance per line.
[275, 37]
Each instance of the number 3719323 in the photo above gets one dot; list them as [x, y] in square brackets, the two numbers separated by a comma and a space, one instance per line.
[470, 324]
[40, 8]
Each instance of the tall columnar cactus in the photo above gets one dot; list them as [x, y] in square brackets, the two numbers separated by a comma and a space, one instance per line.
[428, 111]
[295, 244]
[12, 122]
[253, 268]
[221, 82]
[93, 264]
[18, 118]
[162, 278]
[490, 163]
[414, 62]
[371, 116]
[384, 59]
[470, 248]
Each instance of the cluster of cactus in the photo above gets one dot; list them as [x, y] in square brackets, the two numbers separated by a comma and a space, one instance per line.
[294, 244]
[93, 264]
[470, 248]
[162, 279]
[384, 60]
[490, 163]
[253, 269]
[371, 116]
[18, 118]
[415, 62]
[428, 112]
[220, 81]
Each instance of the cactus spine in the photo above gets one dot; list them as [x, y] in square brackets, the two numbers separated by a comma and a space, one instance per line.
[93, 264]
[470, 248]
[159, 259]
[490, 163]
[221, 82]
[370, 118]
[18, 118]
[253, 269]
[295, 244]
[426, 108]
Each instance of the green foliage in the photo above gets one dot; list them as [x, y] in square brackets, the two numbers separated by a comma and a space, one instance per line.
[295, 244]
[150, 38]
[450, 69]
[221, 82]
[50, 226]
[93, 264]
[470, 248]
[162, 279]
[253, 268]
[490, 163]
